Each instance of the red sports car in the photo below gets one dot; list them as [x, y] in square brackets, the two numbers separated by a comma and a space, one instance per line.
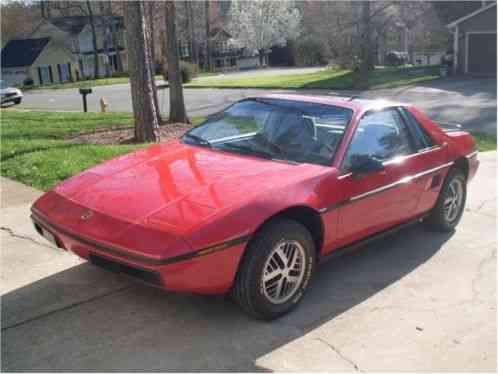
[251, 200]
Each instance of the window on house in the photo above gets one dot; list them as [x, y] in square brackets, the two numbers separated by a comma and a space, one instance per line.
[64, 73]
[45, 75]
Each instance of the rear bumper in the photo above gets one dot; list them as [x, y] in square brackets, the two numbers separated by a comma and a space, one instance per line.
[207, 271]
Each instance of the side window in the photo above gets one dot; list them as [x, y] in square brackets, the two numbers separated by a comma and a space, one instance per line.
[421, 137]
[381, 135]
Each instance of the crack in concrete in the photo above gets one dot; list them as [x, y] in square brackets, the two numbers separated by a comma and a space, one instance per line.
[479, 275]
[481, 205]
[340, 354]
[67, 307]
[24, 237]
[490, 215]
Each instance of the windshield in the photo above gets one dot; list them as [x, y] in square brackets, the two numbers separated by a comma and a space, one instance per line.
[276, 129]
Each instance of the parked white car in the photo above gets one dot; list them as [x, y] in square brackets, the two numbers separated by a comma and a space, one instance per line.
[9, 94]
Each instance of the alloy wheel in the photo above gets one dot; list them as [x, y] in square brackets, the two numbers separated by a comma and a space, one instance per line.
[453, 200]
[283, 271]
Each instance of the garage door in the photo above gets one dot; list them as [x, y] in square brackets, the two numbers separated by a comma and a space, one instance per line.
[482, 53]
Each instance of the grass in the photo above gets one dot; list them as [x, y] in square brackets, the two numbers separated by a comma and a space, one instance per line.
[84, 83]
[36, 150]
[337, 79]
[97, 82]
[485, 142]
[324, 79]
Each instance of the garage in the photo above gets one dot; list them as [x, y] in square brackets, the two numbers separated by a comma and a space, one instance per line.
[474, 41]
[481, 51]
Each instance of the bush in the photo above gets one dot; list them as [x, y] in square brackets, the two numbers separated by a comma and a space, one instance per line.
[187, 70]
[394, 58]
[310, 52]
[28, 82]
[120, 74]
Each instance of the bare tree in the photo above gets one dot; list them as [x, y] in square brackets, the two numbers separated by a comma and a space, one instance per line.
[365, 53]
[208, 32]
[189, 13]
[145, 110]
[85, 8]
[91, 19]
[177, 111]
[106, 20]
[19, 19]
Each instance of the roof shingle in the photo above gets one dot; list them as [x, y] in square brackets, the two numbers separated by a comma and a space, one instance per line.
[22, 52]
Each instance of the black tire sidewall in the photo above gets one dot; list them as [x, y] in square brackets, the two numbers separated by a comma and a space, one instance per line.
[283, 230]
[438, 217]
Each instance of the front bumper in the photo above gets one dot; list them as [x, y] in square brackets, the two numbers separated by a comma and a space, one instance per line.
[209, 270]
[9, 98]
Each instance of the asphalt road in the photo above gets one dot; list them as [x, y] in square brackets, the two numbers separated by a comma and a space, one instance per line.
[419, 301]
[469, 101]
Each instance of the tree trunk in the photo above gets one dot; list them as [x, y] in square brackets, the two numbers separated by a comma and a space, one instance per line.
[365, 47]
[94, 40]
[106, 18]
[177, 111]
[145, 110]
[115, 40]
[208, 31]
[152, 61]
[190, 25]
[261, 53]
[152, 8]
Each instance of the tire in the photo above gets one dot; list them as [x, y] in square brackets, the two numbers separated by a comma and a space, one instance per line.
[258, 297]
[17, 101]
[439, 218]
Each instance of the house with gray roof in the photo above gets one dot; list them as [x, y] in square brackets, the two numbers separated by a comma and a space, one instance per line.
[474, 41]
[36, 61]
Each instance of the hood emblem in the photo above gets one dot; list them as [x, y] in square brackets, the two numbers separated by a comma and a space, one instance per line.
[87, 215]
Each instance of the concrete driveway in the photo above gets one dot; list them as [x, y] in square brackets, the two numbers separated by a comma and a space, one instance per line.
[420, 301]
[469, 101]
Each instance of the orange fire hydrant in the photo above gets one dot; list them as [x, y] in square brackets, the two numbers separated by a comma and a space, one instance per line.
[103, 105]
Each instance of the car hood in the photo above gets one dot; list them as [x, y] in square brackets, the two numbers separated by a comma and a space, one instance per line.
[177, 185]
[8, 90]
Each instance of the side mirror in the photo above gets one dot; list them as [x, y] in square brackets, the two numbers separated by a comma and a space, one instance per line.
[365, 165]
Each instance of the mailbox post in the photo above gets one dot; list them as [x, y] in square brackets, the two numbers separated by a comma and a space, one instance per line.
[84, 92]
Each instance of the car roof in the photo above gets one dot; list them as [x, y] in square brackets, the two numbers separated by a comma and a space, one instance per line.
[350, 102]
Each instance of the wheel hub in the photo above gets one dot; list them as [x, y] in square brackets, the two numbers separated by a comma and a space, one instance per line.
[283, 271]
[453, 200]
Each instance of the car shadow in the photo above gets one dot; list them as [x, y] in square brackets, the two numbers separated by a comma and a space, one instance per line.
[131, 327]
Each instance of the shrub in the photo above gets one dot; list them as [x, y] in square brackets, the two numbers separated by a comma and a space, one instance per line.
[310, 52]
[120, 74]
[187, 70]
[28, 82]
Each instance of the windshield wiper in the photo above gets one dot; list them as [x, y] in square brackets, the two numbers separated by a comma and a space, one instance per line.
[198, 139]
[247, 150]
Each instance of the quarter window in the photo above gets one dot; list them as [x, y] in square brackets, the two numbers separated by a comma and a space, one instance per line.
[380, 134]
[421, 137]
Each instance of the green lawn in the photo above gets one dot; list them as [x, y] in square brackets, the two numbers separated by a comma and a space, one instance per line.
[85, 83]
[36, 151]
[324, 79]
[97, 82]
[80, 84]
[485, 142]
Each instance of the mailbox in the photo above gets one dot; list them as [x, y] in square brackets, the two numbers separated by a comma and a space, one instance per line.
[83, 93]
